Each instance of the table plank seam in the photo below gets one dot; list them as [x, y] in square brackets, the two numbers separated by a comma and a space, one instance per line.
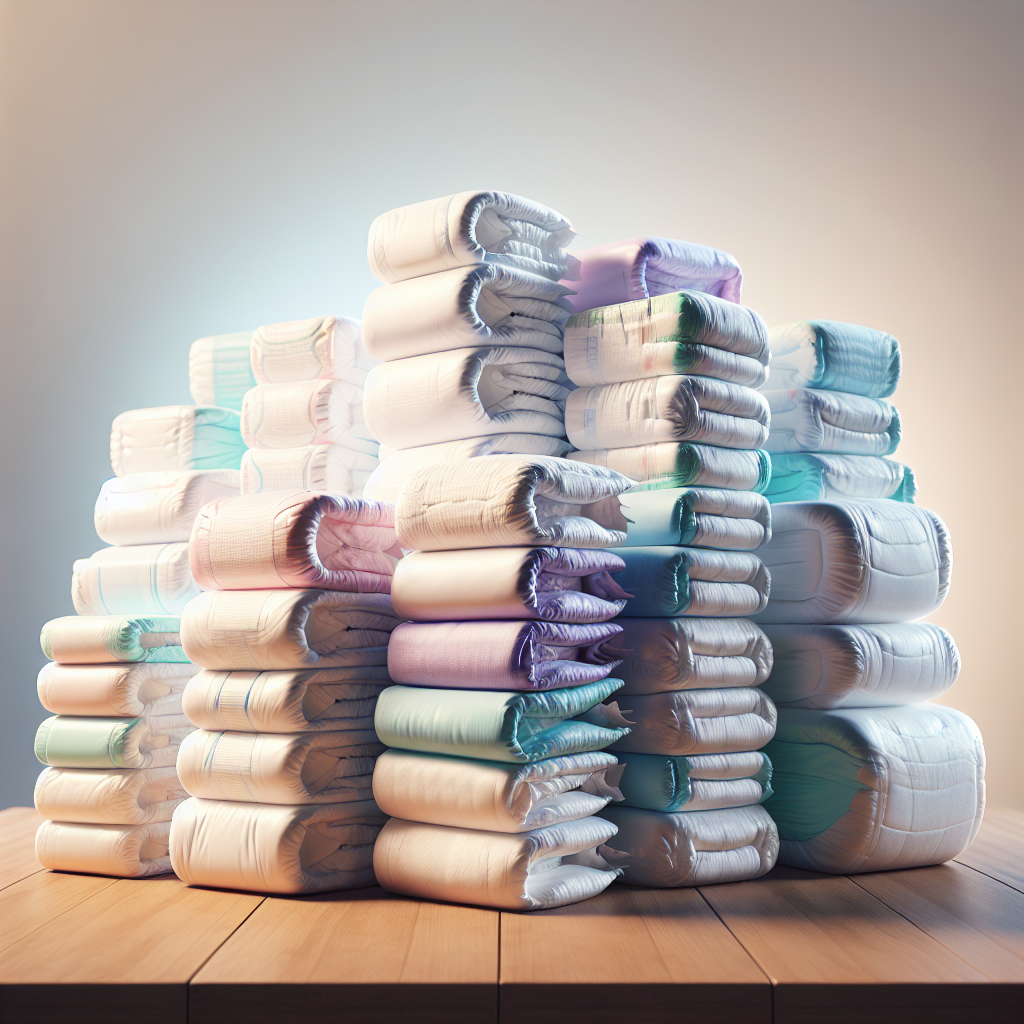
[771, 981]
[988, 874]
[22, 879]
[213, 952]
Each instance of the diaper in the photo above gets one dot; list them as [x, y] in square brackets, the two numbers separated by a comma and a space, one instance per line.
[464, 793]
[637, 268]
[495, 726]
[124, 690]
[294, 539]
[555, 584]
[263, 848]
[806, 420]
[175, 437]
[148, 578]
[660, 409]
[510, 499]
[69, 741]
[836, 357]
[331, 468]
[307, 412]
[479, 305]
[860, 666]
[876, 789]
[125, 851]
[108, 796]
[96, 639]
[323, 348]
[308, 700]
[218, 370]
[673, 581]
[855, 561]
[686, 332]
[466, 392]
[662, 654]
[261, 629]
[670, 464]
[811, 476]
[536, 870]
[700, 782]
[279, 768]
[468, 228]
[665, 851]
[502, 655]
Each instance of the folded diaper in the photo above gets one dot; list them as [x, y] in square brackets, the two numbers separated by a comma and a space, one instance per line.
[294, 539]
[479, 305]
[682, 722]
[125, 851]
[147, 578]
[331, 468]
[686, 332]
[556, 584]
[806, 420]
[665, 851]
[464, 793]
[875, 789]
[536, 870]
[637, 268]
[308, 700]
[70, 741]
[674, 581]
[325, 347]
[260, 629]
[108, 796]
[128, 691]
[672, 408]
[176, 437]
[495, 726]
[218, 370]
[811, 476]
[397, 466]
[265, 848]
[307, 412]
[703, 517]
[700, 782]
[154, 508]
[279, 768]
[669, 464]
[860, 666]
[96, 639]
[466, 392]
[505, 655]
[510, 499]
[467, 228]
[662, 654]
[855, 561]
[835, 356]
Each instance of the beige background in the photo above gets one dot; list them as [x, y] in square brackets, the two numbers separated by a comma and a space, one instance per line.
[174, 169]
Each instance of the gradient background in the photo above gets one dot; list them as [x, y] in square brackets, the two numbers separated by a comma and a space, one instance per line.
[177, 169]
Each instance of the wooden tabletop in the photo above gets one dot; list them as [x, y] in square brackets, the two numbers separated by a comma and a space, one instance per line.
[939, 944]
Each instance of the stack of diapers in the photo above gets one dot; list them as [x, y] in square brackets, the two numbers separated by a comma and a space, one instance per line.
[218, 370]
[831, 427]
[303, 421]
[469, 326]
[291, 632]
[497, 721]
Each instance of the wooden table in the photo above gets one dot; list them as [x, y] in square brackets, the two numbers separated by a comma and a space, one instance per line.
[939, 944]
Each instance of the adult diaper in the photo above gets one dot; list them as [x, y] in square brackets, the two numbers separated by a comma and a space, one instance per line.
[68, 741]
[92, 639]
[125, 851]
[153, 578]
[495, 726]
[855, 561]
[808, 420]
[128, 691]
[277, 849]
[325, 347]
[672, 408]
[108, 796]
[331, 468]
[219, 371]
[812, 476]
[468, 228]
[175, 437]
[686, 332]
[700, 782]
[536, 870]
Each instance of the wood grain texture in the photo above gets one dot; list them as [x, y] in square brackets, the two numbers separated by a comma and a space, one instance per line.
[628, 955]
[18, 844]
[37, 900]
[380, 957]
[998, 850]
